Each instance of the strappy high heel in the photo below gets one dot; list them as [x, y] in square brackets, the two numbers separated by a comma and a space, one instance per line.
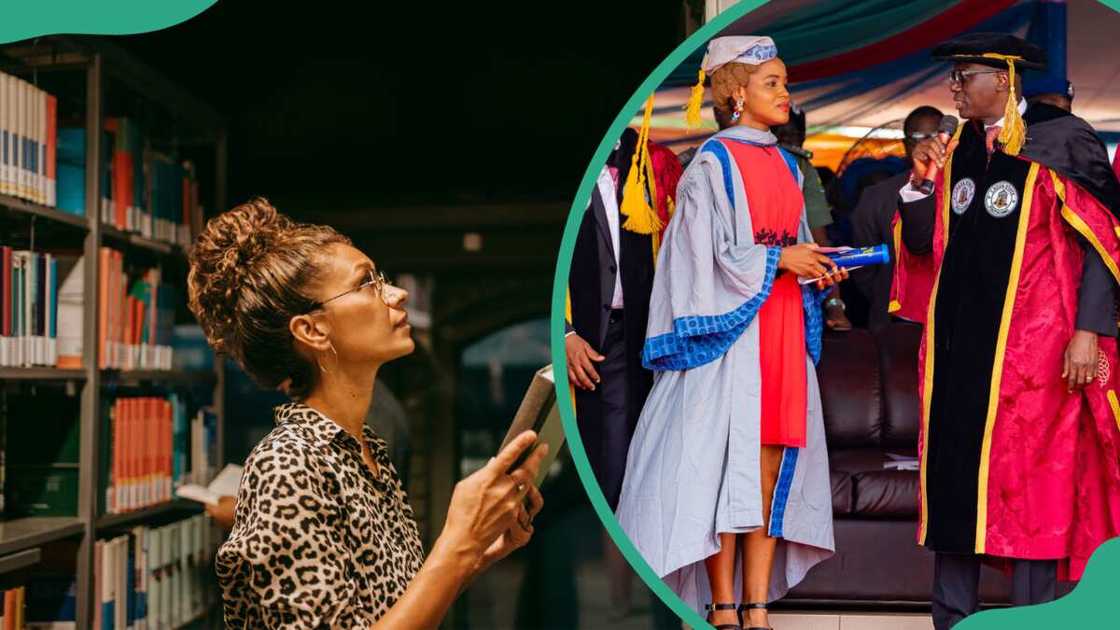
[711, 608]
[749, 607]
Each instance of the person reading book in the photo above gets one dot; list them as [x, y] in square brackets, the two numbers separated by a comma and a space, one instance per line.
[322, 534]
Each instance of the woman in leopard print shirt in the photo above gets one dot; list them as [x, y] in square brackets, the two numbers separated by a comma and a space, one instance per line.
[323, 535]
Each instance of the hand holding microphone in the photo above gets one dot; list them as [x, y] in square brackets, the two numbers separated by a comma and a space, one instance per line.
[930, 154]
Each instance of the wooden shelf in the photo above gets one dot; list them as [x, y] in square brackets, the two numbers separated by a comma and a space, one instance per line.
[141, 516]
[34, 531]
[129, 239]
[41, 374]
[20, 560]
[14, 205]
[193, 377]
[33, 226]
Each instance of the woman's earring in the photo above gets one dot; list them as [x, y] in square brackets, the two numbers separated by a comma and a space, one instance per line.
[738, 112]
[333, 351]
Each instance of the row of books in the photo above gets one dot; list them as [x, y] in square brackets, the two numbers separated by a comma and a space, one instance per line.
[151, 448]
[142, 190]
[37, 299]
[28, 141]
[154, 577]
[137, 318]
[41, 318]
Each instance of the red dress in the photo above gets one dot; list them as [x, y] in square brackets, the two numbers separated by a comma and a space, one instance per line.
[775, 205]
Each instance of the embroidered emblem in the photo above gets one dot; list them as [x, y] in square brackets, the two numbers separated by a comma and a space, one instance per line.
[963, 193]
[1001, 199]
[1104, 370]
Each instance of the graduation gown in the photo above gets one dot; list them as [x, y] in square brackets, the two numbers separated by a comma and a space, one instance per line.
[693, 467]
[1013, 465]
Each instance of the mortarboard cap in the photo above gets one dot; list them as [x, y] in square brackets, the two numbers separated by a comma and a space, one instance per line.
[992, 49]
[998, 50]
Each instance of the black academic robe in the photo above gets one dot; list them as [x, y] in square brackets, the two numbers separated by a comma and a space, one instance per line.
[987, 195]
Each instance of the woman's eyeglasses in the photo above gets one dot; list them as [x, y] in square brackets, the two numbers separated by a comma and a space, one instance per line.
[960, 76]
[375, 279]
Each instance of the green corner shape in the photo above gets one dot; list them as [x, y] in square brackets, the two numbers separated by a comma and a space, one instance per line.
[28, 19]
[1088, 606]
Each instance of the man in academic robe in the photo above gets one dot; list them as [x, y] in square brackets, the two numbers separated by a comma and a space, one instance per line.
[1020, 439]
[876, 220]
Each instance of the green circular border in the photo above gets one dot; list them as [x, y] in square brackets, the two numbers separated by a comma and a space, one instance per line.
[1077, 607]
[34, 18]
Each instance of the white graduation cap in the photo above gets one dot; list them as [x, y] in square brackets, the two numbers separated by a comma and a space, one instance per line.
[749, 49]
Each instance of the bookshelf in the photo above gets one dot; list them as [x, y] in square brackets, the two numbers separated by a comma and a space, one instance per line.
[91, 65]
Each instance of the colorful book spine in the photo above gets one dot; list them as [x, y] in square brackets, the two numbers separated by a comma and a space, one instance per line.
[28, 141]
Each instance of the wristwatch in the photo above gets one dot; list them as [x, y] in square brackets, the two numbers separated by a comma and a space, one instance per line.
[835, 301]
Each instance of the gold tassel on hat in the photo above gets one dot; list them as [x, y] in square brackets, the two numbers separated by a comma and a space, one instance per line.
[695, 102]
[641, 218]
[1014, 132]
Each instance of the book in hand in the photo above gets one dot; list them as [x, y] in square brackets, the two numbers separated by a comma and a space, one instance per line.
[540, 413]
[224, 485]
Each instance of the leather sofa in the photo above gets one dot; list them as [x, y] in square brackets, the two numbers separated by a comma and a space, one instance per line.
[869, 392]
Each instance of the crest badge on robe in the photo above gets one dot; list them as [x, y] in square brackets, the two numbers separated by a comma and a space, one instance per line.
[1001, 199]
[963, 193]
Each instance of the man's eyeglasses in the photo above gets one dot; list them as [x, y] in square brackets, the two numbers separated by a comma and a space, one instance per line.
[918, 136]
[374, 279]
[960, 76]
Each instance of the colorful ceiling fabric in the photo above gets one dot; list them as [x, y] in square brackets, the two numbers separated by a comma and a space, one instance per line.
[836, 36]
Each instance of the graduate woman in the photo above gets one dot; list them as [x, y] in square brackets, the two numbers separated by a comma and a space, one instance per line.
[726, 492]
[323, 536]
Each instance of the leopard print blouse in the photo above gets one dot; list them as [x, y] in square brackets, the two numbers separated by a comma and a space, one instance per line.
[318, 541]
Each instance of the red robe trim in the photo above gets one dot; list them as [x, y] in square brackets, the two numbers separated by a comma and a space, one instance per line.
[913, 279]
[1049, 477]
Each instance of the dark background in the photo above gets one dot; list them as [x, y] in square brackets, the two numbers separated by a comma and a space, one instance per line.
[364, 104]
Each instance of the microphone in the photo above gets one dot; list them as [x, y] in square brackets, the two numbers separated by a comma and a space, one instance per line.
[945, 131]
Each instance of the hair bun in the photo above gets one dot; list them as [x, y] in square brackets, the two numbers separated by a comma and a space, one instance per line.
[224, 257]
[249, 269]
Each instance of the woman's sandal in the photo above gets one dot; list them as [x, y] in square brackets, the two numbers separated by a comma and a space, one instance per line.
[710, 608]
[749, 607]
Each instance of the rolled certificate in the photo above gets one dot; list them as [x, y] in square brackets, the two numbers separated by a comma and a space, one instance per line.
[853, 258]
[860, 256]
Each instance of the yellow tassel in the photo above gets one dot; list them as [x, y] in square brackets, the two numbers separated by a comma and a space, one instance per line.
[695, 102]
[568, 305]
[641, 218]
[1014, 132]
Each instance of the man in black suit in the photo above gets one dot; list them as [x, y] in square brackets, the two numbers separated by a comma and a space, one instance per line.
[609, 287]
[871, 220]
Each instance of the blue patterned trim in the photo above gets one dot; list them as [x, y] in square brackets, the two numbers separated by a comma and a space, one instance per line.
[700, 339]
[811, 298]
[781, 491]
[791, 162]
[717, 148]
[757, 54]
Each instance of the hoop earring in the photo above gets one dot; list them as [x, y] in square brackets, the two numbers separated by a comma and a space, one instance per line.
[324, 370]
